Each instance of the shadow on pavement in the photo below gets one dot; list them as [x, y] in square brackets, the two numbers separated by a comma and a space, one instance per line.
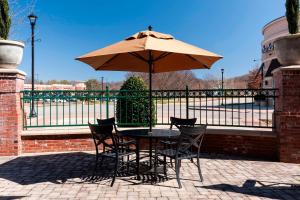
[11, 197]
[273, 190]
[54, 168]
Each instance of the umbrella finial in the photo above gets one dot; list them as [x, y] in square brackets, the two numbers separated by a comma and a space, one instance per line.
[150, 28]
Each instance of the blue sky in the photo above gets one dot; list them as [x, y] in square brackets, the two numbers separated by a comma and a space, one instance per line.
[70, 28]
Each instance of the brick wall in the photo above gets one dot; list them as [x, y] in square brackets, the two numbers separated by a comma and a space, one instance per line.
[260, 147]
[11, 82]
[57, 143]
[287, 113]
[222, 142]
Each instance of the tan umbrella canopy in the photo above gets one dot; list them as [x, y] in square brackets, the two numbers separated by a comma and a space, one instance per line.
[150, 51]
[134, 53]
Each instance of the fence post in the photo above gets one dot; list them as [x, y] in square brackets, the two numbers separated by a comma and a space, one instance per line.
[107, 101]
[11, 83]
[187, 100]
[287, 112]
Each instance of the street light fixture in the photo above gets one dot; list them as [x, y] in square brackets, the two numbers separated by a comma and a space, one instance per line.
[32, 19]
[222, 70]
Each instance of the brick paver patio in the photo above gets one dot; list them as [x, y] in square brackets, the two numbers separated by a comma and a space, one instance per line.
[66, 176]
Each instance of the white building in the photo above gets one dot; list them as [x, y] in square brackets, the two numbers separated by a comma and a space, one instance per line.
[271, 31]
[79, 85]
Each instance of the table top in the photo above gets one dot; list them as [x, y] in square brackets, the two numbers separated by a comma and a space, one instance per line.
[144, 133]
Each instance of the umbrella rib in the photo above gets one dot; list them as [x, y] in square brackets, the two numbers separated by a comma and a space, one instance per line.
[163, 55]
[138, 56]
[109, 60]
[191, 57]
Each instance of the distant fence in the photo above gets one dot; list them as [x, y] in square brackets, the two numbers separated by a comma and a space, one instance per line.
[228, 107]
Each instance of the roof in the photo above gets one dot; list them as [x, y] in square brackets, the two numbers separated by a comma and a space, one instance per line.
[271, 22]
[273, 65]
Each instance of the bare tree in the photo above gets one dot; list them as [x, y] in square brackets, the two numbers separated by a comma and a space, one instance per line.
[211, 81]
[19, 15]
[170, 80]
[93, 84]
[254, 78]
[115, 85]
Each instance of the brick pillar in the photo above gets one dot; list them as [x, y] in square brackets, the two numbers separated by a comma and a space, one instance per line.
[287, 113]
[11, 83]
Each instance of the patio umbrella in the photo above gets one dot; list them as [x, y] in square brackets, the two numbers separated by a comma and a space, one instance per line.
[152, 52]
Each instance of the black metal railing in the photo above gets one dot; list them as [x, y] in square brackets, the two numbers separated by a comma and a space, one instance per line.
[228, 107]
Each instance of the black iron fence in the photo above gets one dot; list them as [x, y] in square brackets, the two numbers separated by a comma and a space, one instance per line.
[228, 107]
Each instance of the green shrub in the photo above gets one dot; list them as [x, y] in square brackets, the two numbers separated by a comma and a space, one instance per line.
[133, 104]
[5, 20]
[292, 15]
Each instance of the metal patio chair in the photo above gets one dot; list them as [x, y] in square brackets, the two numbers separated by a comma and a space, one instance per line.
[122, 142]
[103, 134]
[99, 136]
[187, 147]
[177, 122]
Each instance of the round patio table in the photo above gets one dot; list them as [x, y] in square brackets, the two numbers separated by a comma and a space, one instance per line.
[155, 135]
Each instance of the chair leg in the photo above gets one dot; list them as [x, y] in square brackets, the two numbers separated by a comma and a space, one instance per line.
[169, 147]
[165, 165]
[115, 172]
[102, 157]
[199, 169]
[177, 169]
[165, 161]
[97, 159]
[101, 161]
[191, 149]
[96, 162]
[127, 164]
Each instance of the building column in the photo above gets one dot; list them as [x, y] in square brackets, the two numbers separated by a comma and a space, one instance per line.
[287, 113]
[11, 83]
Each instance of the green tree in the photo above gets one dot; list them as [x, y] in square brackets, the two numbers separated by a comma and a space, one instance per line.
[65, 82]
[50, 82]
[93, 84]
[5, 20]
[133, 103]
[292, 15]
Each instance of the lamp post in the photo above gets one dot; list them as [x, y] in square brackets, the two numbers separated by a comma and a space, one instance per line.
[32, 19]
[262, 76]
[222, 70]
[102, 86]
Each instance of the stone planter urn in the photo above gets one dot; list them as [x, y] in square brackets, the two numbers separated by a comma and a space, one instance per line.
[11, 53]
[287, 50]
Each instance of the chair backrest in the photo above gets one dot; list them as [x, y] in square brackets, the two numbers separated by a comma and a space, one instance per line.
[108, 125]
[190, 137]
[104, 122]
[100, 134]
[178, 122]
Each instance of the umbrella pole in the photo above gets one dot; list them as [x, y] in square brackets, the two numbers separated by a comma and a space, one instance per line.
[150, 62]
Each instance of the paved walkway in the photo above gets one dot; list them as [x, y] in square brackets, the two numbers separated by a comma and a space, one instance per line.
[67, 176]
